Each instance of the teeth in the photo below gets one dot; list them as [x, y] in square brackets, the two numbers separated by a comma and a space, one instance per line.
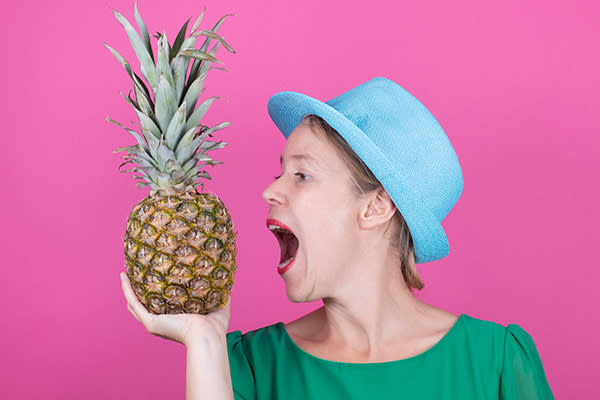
[285, 263]
[276, 228]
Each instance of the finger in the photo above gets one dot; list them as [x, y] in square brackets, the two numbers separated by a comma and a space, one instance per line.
[222, 315]
[134, 305]
[126, 288]
[132, 313]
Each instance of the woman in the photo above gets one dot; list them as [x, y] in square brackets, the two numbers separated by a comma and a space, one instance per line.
[366, 180]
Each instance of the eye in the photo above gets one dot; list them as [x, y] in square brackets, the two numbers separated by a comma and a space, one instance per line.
[303, 177]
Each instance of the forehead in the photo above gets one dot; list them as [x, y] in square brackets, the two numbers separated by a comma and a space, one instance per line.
[306, 144]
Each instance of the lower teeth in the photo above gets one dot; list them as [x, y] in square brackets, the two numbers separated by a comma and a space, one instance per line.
[285, 263]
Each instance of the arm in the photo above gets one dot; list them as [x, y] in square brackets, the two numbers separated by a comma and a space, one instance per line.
[204, 336]
[207, 371]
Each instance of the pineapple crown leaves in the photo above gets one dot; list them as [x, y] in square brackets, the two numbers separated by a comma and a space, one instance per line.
[171, 142]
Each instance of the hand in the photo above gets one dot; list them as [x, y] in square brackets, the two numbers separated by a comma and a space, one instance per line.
[182, 328]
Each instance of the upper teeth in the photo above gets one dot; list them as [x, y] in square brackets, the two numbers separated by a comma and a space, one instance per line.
[275, 227]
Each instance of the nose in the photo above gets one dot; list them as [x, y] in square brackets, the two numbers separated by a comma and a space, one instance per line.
[273, 194]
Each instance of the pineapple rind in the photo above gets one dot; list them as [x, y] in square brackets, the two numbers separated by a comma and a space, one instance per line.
[180, 252]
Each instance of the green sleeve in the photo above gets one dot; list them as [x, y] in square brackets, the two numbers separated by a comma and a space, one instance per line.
[522, 376]
[242, 375]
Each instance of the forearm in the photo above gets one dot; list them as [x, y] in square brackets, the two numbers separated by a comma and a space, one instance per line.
[207, 370]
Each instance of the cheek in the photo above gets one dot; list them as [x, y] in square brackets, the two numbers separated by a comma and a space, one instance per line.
[328, 219]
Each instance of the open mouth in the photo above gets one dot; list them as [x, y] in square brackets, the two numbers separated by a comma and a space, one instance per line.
[288, 243]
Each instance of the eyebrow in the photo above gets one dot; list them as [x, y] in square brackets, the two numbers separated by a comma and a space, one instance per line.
[301, 156]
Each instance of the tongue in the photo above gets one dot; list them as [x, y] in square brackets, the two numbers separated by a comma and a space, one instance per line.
[289, 246]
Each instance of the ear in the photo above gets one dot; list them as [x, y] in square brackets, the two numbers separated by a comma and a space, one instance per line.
[377, 210]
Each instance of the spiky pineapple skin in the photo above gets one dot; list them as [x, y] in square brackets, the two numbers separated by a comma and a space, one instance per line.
[180, 249]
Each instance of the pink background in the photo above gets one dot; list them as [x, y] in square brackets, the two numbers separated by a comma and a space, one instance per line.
[514, 83]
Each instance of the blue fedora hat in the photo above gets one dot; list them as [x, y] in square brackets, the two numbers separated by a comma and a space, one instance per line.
[401, 143]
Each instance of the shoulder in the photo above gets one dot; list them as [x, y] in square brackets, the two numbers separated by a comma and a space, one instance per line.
[484, 327]
[255, 341]
[484, 340]
[496, 332]
[505, 342]
[487, 332]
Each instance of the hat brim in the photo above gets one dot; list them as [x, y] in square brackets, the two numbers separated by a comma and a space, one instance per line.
[287, 109]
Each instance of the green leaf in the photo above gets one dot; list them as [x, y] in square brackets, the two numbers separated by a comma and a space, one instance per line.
[153, 143]
[175, 128]
[164, 68]
[199, 112]
[205, 65]
[189, 42]
[197, 23]
[146, 62]
[208, 146]
[165, 103]
[196, 65]
[179, 40]
[191, 163]
[137, 155]
[198, 140]
[126, 148]
[213, 35]
[195, 173]
[164, 180]
[120, 58]
[184, 153]
[164, 155]
[199, 55]
[192, 94]
[202, 77]
[143, 30]
[132, 132]
[215, 128]
[130, 102]
[136, 79]
[149, 124]
[179, 66]
[173, 166]
[145, 120]
[144, 104]
[184, 149]
[158, 178]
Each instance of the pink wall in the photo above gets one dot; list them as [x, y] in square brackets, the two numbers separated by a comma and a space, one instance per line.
[514, 83]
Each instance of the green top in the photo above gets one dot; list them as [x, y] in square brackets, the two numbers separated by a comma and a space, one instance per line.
[476, 360]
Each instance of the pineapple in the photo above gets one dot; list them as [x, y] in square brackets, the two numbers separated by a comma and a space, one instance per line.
[179, 242]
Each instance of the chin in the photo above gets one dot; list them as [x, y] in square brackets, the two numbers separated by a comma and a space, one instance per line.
[295, 296]
[299, 294]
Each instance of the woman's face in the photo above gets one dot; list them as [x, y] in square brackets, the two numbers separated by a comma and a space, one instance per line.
[314, 199]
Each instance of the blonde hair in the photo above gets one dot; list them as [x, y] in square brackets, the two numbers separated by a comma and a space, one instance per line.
[366, 182]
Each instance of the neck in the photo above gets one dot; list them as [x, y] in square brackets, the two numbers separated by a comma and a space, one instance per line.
[366, 314]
